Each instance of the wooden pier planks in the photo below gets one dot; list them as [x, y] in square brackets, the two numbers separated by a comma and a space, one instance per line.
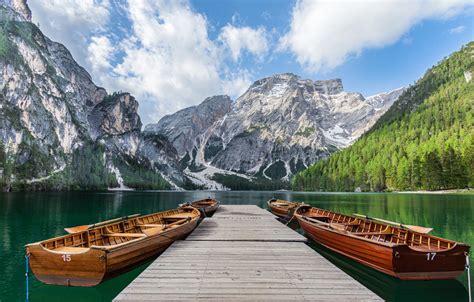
[244, 223]
[243, 254]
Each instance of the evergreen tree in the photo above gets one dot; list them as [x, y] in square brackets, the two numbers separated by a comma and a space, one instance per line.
[424, 141]
[432, 172]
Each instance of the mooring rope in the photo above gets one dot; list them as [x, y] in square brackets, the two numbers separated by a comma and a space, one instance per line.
[468, 268]
[290, 220]
[27, 265]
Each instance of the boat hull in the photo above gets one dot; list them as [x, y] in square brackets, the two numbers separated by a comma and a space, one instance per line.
[211, 210]
[96, 264]
[399, 261]
[76, 269]
[279, 212]
[282, 212]
[132, 254]
[207, 206]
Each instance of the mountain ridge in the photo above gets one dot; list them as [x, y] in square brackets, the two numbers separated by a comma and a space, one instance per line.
[251, 137]
[425, 141]
[53, 116]
[59, 130]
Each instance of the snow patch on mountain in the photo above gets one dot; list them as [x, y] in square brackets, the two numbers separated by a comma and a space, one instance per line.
[340, 137]
[201, 178]
[55, 171]
[277, 91]
[119, 178]
[279, 126]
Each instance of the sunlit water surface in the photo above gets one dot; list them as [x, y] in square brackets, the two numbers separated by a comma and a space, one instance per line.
[30, 217]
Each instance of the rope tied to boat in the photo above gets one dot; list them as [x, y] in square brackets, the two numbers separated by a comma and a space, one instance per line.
[290, 220]
[27, 274]
[468, 268]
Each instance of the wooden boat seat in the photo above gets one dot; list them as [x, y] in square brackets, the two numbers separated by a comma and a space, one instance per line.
[318, 217]
[371, 233]
[345, 223]
[71, 249]
[342, 226]
[148, 225]
[160, 228]
[133, 235]
[179, 216]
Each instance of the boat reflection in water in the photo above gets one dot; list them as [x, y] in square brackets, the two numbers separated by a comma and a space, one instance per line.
[105, 291]
[391, 288]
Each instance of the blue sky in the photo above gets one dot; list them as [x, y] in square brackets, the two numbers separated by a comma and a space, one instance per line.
[375, 70]
[173, 54]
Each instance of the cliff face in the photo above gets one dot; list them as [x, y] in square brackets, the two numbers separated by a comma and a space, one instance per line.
[185, 128]
[423, 142]
[17, 10]
[51, 112]
[46, 96]
[59, 130]
[279, 126]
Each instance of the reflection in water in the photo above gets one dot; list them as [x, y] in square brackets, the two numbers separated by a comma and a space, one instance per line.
[393, 289]
[105, 291]
[30, 217]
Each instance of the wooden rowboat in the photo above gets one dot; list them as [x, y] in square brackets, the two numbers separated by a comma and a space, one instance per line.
[282, 208]
[394, 250]
[207, 206]
[91, 255]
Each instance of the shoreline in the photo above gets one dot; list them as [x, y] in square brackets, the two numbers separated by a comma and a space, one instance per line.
[452, 191]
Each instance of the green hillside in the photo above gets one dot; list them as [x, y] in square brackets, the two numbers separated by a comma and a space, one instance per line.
[424, 142]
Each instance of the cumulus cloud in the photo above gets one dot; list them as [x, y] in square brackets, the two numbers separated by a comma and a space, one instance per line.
[162, 52]
[71, 22]
[238, 39]
[168, 57]
[324, 33]
[457, 30]
[169, 60]
[100, 52]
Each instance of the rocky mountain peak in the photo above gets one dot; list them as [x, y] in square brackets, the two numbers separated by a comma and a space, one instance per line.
[185, 127]
[117, 114]
[53, 115]
[280, 125]
[18, 10]
[215, 106]
[385, 99]
[288, 84]
[268, 83]
[333, 86]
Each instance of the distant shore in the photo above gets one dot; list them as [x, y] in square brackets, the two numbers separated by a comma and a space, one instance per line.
[468, 191]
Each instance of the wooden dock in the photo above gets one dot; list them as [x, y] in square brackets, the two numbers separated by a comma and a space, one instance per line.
[243, 253]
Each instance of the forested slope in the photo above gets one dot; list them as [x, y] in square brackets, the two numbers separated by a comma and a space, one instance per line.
[424, 142]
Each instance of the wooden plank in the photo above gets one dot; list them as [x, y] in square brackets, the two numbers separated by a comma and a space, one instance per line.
[243, 223]
[243, 297]
[243, 253]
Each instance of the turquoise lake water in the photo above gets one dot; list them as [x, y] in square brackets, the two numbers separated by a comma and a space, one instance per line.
[30, 217]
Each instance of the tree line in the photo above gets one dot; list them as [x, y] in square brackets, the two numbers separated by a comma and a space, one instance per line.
[424, 142]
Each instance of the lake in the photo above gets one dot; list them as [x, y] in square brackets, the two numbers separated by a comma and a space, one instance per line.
[30, 217]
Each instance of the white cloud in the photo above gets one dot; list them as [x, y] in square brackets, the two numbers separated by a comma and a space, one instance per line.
[159, 51]
[457, 30]
[100, 52]
[71, 22]
[324, 33]
[169, 62]
[238, 39]
[237, 83]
